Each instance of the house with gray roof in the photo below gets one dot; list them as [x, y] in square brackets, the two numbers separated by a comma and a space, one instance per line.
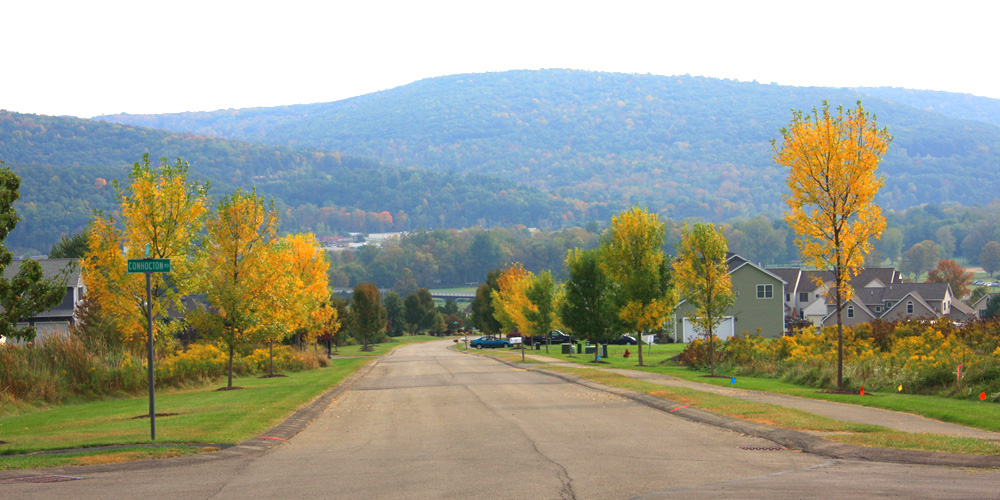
[879, 293]
[58, 319]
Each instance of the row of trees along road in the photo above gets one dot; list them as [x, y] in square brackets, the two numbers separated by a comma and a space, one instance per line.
[257, 287]
[628, 284]
[623, 284]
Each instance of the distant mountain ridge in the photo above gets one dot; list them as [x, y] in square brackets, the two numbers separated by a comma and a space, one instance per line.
[66, 165]
[686, 146]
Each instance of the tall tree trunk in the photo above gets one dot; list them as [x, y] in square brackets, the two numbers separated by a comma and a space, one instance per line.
[640, 347]
[840, 340]
[231, 351]
[711, 350]
[270, 347]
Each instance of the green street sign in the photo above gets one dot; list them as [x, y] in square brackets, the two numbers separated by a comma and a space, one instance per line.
[149, 265]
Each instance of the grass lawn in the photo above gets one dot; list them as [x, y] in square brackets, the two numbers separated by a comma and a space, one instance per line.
[197, 417]
[969, 412]
[790, 418]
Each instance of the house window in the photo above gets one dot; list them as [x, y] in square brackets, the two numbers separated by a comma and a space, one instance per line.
[765, 291]
[788, 297]
[850, 311]
[909, 307]
[804, 297]
[878, 309]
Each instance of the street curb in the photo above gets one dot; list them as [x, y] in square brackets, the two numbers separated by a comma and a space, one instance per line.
[270, 438]
[787, 438]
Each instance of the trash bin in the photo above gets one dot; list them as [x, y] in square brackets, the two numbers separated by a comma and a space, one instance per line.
[568, 348]
[538, 347]
[604, 350]
[591, 349]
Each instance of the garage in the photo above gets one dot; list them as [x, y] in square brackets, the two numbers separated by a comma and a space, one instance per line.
[722, 332]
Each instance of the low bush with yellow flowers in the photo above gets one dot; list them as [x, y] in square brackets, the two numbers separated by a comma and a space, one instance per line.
[921, 357]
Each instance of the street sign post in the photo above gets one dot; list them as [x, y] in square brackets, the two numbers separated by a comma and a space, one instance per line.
[148, 267]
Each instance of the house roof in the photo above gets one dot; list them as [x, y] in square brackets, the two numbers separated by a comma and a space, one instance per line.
[853, 302]
[790, 275]
[735, 262]
[932, 292]
[961, 312]
[915, 296]
[50, 269]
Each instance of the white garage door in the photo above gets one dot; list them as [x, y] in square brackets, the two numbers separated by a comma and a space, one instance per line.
[722, 332]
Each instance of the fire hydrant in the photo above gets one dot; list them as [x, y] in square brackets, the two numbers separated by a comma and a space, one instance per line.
[627, 354]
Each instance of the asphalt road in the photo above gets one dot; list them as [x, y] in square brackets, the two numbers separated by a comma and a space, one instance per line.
[428, 422]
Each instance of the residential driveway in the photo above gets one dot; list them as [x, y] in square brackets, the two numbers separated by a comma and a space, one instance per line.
[429, 422]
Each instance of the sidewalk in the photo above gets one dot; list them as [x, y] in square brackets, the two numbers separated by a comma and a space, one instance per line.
[906, 422]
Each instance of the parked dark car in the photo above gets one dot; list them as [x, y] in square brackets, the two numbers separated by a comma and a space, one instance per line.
[554, 337]
[624, 340]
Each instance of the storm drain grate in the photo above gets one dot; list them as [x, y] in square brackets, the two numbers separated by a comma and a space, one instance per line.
[762, 448]
[43, 479]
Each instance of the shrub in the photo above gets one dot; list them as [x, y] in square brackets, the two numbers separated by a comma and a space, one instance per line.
[62, 368]
[923, 357]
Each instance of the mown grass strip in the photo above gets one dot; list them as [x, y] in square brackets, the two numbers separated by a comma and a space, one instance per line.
[513, 355]
[99, 457]
[790, 418]
[203, 415]
[969, 412]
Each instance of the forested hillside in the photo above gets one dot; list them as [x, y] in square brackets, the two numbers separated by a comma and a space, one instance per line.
[67, 165]
[685, 146]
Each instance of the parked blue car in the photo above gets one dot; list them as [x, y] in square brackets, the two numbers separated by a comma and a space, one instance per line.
[489, 341]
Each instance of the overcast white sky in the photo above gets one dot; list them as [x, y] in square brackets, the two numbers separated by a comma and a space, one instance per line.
[85, 58]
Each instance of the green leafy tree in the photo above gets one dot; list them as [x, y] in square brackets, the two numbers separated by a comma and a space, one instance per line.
[28, 292]
[702, 278]
[368, 314]
[920, 258]
[70, 247]
[989, 257]
[541, 293]
[395, 316]
[450, 307]
[588, 309]
[992, 308]
[340, 334]
[891, 244]
[419, 310]
[832, 162]
[482, 306]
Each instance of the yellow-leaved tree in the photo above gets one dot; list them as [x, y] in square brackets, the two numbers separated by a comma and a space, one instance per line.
[702, 278]
[304, 269]
[633, 259]
[832, 182]
[510, 300]
[243, 291]
[161, 208]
